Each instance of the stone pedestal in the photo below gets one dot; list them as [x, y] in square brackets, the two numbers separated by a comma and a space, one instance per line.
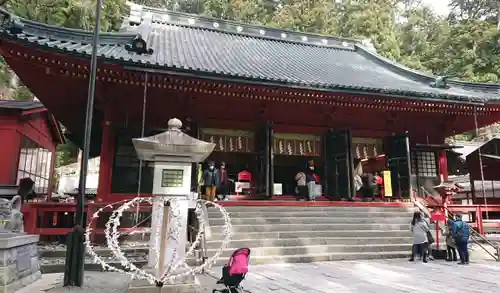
[18, 261]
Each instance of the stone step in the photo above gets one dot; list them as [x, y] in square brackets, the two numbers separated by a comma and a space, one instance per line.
[306, 213]
[302, 233]
[309, 220]
[320, 249]
[290, 242]
[312, 227]
[307, 258]
[365, 209]
[103, 252]
[57, 265]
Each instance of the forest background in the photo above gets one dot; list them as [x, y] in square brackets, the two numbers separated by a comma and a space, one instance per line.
[462, 44]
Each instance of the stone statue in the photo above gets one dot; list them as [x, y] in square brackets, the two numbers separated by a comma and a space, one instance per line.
[11, 218]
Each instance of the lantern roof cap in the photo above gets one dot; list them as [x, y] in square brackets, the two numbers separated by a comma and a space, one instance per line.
[172, 145]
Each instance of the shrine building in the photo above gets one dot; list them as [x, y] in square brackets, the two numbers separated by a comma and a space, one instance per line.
[30, 135]
[270, 100]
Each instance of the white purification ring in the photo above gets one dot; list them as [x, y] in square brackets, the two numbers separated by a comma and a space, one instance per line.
[112, 241]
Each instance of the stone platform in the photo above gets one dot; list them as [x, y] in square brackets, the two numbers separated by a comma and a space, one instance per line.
[18, 261]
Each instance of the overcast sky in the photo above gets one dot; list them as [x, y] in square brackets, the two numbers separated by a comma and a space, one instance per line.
[440, 6]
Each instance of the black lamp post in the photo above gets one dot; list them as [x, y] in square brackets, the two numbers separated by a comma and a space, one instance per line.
[75, 250]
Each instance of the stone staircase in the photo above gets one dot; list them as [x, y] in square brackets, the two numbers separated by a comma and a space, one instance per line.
[278, 234]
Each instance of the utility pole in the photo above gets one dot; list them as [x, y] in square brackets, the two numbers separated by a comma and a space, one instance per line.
[75, 250]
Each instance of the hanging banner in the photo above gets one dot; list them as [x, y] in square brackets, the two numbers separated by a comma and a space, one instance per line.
[387, 183]
[227, 140]
[292, 144]
[365, 148]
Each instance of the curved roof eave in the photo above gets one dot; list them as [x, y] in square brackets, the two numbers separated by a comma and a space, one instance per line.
[402, 82]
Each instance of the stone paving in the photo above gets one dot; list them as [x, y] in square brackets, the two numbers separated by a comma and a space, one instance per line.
[382, 276]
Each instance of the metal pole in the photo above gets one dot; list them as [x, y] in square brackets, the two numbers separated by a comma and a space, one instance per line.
[481, 165]
[75, 251]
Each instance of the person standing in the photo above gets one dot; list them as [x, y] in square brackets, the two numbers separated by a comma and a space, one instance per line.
[311, 180]
[419, 229]
[451, 248]
[461, 235]
[224, 182]
[210, 179]
[367, 191]
[301, 190]
[379, 183]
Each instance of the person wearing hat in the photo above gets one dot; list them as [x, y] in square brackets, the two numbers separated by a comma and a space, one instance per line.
[210, 179]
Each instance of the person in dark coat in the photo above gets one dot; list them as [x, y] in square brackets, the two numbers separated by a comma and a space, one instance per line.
[461, 233]
[210, 179]
[224, 182]
[368, 183]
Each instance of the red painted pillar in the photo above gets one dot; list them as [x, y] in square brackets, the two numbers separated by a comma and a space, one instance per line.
[479, 220]
[442, 164]
[105, 163]
[9, 156]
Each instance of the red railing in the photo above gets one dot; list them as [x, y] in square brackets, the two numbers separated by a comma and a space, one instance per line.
[475, 212]
[56, 219]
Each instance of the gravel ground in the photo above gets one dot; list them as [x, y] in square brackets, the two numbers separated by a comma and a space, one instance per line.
[109, 282]
[97, 282]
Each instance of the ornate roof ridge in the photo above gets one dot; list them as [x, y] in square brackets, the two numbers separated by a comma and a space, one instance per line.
[69, 34]
[422, 76]
[139, 13]
[20, 105]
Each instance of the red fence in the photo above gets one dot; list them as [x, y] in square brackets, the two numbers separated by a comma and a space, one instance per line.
[476, 215]
[56, 219]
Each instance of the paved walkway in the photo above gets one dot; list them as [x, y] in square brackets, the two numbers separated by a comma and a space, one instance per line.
[388, 276]
[382, 276]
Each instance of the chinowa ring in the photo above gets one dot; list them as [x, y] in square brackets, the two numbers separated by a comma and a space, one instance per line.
[171, 271]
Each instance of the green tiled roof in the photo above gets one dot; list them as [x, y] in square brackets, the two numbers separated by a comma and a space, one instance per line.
[215, 48]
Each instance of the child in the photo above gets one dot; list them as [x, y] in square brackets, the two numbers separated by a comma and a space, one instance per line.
[451, 247]
[301, 190]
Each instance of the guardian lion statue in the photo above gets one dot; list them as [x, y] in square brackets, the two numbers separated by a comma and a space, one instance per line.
[11, 218]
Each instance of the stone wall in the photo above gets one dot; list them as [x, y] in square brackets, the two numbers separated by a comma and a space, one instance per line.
[19, 264]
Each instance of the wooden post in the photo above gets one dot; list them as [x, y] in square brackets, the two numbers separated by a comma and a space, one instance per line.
[479, 220]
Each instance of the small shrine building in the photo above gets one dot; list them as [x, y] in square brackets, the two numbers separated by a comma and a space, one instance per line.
[29, 135]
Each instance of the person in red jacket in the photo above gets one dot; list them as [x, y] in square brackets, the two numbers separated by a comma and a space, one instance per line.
[379, 184]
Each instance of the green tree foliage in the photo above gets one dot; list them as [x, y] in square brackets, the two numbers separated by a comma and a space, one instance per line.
[421, 34]
[374, 20]
[66, 154]
[471, 52]
[79, 14]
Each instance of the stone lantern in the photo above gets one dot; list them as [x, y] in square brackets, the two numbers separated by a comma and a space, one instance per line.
[172, 153]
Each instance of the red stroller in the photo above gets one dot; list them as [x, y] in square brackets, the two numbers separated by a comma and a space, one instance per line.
[233, 273]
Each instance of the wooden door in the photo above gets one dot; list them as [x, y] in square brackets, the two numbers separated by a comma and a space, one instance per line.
[339, 167]
[264, 178]
[397, 149]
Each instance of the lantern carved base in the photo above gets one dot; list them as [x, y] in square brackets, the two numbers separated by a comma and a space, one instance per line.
[188, 284]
